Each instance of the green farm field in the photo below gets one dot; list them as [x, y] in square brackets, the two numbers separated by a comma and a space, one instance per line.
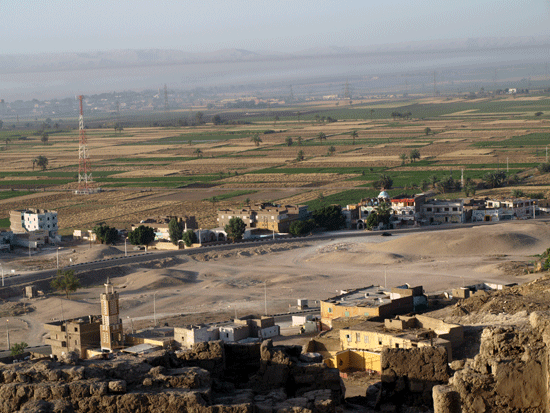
[197, 169]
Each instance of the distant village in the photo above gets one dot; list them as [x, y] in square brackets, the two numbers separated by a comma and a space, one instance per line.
[355, 324]
[34, 228]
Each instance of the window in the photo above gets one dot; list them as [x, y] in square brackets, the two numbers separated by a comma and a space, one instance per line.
[428, 210]
[348, 337]
[366, 338]
[455, 209]
[357, 337]
[379, 341]
[346, 313]
[330, 309]
[396, 345]
[75, 329]
[447, 209]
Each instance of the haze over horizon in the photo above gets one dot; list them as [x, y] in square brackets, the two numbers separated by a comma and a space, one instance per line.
[59, 49]
[283, 26]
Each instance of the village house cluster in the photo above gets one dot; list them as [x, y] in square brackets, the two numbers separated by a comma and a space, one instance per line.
[422, 209]
[98, 335]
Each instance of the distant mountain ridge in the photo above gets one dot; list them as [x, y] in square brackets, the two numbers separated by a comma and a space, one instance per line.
[147, 57]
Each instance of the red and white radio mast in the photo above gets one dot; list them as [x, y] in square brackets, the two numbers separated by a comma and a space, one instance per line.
[84, 178]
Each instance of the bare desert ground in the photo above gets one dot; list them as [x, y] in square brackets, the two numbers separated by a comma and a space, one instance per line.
[215, 285]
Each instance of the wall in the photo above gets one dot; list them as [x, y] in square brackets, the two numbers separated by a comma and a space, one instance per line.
[452, 332]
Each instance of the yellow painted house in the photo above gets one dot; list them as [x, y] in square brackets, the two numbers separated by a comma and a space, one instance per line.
[361, 344]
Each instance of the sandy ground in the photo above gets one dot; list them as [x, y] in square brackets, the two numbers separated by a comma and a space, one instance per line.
[218, 285]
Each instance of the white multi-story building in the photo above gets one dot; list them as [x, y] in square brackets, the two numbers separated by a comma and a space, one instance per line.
[443, 211]
[34, 219]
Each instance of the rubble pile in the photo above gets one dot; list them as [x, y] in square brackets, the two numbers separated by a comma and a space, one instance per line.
[198, 381]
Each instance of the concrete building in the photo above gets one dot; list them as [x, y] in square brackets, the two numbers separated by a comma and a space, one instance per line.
[157, 337]
[260, 327]
[406, 210]
[234, 332]
[34, 219]
[362, 343]
[437, 211]
[265, 216]
[186, 336]
[111, 324]
[372, 301]
[78, 335]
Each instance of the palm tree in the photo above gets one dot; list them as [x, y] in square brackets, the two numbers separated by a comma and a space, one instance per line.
[354, 135]
[299, 139]
[34, 162]
[300, 156]
[403, 157]
[434, 180]
[427, 131]
[44, 138]
[8, 140]
[321, 136]
[288, 141]
[198, 152]
[256, 139]
[331, 151]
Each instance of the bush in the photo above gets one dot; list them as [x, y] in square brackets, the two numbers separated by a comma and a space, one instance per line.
[189, 237]
[298, 228]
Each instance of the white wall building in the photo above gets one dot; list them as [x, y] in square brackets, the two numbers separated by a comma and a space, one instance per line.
[187, 336]
[33, 219]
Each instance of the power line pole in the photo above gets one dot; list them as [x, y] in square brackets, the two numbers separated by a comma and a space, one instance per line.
[165, 99]
[435, 88]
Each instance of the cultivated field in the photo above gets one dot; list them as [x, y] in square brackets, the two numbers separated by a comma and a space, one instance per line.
[198, 169]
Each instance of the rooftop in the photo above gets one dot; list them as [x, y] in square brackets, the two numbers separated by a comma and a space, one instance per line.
[412, 334]
[372, 296]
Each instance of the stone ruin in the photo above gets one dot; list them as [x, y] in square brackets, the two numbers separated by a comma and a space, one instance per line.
[509, 375]
[211, 378]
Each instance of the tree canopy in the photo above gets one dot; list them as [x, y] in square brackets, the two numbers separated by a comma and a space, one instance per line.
[235, 228]
[330, 217]
[105, 234]
[18, 348]
[298, 228]
[42, 162]
[189, 237]
[384, 182]
[142, 235]
[256, 139]
[65, 281]
[175, 231]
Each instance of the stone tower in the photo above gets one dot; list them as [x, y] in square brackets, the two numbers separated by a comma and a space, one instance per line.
[111, 324]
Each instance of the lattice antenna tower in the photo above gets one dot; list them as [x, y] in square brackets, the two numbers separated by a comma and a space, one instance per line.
[84, 177]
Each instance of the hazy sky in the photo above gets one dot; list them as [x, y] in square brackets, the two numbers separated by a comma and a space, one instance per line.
[34, 26]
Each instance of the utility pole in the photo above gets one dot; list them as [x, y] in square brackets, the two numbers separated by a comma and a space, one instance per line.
[385, 277]
[8, 332]
[435, 88]
[165, 99]
[155, 309]
[507, 168]
[462, 178]
[265, 295]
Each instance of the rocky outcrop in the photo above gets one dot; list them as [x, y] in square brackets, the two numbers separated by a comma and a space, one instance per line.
[508, 375]
[409, 375]
[196, 381]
